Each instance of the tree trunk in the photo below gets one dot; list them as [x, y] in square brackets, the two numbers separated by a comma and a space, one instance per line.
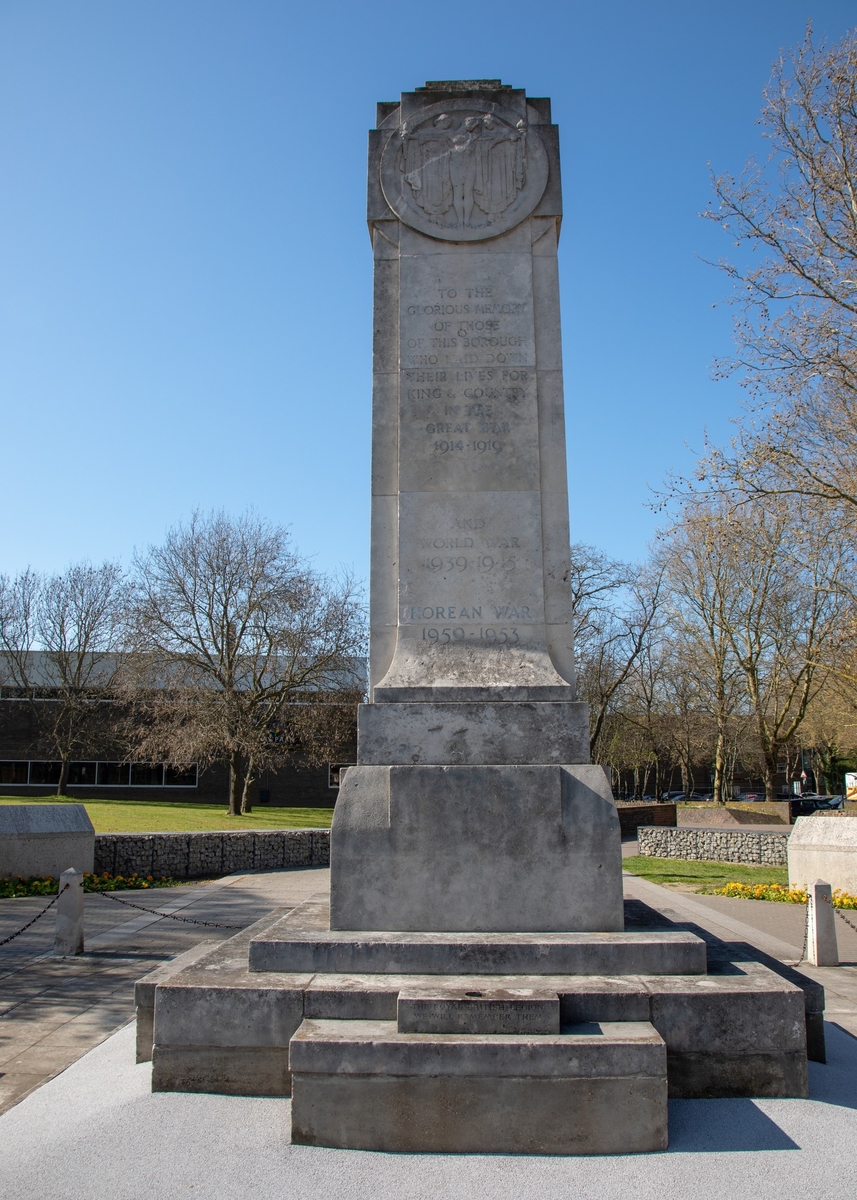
[63, 780]
[770, 778]
[246, 802]
[719, 756]
[236, 783]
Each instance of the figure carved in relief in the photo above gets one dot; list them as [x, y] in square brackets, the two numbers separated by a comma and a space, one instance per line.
[464, 164]
[502, 166]
[426, 168]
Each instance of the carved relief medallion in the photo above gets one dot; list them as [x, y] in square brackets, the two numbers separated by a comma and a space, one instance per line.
[464, 170]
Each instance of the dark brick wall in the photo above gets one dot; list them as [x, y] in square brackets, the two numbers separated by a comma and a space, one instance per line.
[291, 786]
[631, 816]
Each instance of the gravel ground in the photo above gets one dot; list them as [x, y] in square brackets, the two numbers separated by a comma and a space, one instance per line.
[98, 1129]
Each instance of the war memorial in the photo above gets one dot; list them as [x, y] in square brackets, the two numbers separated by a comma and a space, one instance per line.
[469, 984]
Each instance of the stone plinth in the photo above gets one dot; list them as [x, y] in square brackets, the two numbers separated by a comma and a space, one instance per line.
[508, 848]
[45, 839]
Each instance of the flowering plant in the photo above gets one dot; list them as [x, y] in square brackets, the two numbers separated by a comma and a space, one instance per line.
[776, 891]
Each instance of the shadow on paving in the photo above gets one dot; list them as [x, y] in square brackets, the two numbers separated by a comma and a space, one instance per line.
[639, 915]
[53, 1010]
[718, 1126]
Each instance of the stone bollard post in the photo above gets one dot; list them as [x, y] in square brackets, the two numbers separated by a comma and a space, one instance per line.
[821, 948]
[68, 938]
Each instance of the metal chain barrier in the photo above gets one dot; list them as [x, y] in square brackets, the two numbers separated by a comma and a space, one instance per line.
[802, 958]
[50, 903]
[154, 913]
[841, 914]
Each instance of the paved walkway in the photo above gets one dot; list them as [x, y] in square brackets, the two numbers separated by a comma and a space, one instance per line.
[98, 1129]
[53, 1010]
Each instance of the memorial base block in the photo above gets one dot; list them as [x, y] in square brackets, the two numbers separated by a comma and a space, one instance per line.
[478, 848]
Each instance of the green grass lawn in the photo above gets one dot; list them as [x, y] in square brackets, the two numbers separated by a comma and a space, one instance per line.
[165, 816]
[703, 876]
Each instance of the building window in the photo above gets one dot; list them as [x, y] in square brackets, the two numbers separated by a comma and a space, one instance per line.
[113, 774]
[45, 773]
[100, 774]
[147, 775]
[14, 772]
[180, 774]
[335, 772]
[82, 774]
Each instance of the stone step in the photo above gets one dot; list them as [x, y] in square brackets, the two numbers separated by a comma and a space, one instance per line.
[439, 1008]
[596, 1088]
[219, 1027]
[303, 941]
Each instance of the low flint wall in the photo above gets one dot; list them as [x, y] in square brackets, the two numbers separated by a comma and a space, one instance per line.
[632, 816]
[766, 848]
[205, 855]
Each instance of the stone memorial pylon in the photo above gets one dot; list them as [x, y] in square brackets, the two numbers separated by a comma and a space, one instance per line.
[473, 805]
[469, 984]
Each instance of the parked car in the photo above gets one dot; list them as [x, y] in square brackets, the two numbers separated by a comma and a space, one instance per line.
[805, 806]
[752, 797]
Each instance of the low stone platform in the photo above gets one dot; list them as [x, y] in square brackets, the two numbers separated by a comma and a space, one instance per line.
[303, 941]
[219, 1026]
[592, 1089]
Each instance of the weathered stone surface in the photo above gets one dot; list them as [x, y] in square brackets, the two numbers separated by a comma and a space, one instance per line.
[596, 1090]
[444, 1009]
[379, 1048]
[821, 947]
[822, 847]
[484, 1115]
[68, 935]
[202, 1015]
[737, 1031]
[225, 1071]
[45, 839]
[756, 847]
[217, 1028]
[472, 734]
[706, 1076]
[476, 866]
[144, 995]
[480, 591]
[476, 848]
[303, 942]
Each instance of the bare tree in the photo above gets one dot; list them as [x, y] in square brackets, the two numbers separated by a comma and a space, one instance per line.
[614, 607]
[786, 617]
[796, 288]
[701, 596]
[62, 639]
[245, 655]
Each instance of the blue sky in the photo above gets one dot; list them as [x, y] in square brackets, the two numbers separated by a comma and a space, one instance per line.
[185, 273]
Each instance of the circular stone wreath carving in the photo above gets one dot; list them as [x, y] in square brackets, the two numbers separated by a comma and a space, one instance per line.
[464, 170]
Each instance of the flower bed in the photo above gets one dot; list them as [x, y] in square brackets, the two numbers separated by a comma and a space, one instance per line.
[46, 885]
[775, 891]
